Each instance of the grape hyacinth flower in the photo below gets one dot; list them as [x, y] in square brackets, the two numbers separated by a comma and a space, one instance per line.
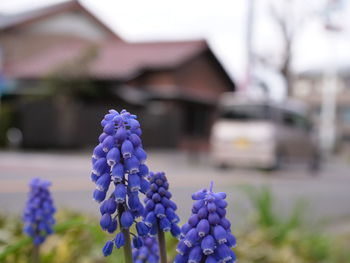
[207, 237]
[38, 216]
[160, 213]
[148, 252]
[118, 160]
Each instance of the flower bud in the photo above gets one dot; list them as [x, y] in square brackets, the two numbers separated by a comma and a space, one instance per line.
[164, 224]
[159, 210]
[112, 226]
[142, 229]
[127, 149]
[98, 152]
[105, 221]
[117, 173]
[108, 248]
[108, 143]
[137, 242]
[134, 182]
[181, 259]
[193, 221]
[195, 255]
[103, 182]
[126, 219]
[109, 128]
[102, 137]
[99, 196]
[182, 248]
[119, 240]
[120, 193]
[111, 205]
[175, 230]
[144, 185]
[135, 140]
[132, 165]
[113, 156]
[140, 154]
[150, 219]
[203, 227]
[208, 245]
[100, 166]
[224, 252]
[214, 218]
[191, 237]
[121, 134]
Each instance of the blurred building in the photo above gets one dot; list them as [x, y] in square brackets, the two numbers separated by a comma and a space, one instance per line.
[309, 87]
[323, 80]
[68, 67]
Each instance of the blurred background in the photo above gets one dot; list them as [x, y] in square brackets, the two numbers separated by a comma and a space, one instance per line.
[250, 94]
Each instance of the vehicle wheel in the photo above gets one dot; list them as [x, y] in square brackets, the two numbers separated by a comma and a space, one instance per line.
[222, 166]
[279, 161]
[315, 163]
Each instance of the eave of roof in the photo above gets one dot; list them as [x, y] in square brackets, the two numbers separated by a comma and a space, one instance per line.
[12, 22]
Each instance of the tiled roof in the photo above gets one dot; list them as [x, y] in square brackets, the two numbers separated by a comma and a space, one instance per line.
[114, 59]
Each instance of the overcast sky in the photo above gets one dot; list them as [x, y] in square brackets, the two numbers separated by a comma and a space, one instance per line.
[221, 22]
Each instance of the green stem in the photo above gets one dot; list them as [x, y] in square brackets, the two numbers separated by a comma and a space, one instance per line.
[35, 254]
[127, 247]
[126, 232]
[162, 245]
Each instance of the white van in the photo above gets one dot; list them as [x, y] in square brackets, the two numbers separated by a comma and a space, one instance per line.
[253, 132]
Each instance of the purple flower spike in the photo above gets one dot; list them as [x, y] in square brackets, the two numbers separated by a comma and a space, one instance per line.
[159, 210]
[207, 237]
[147, 252]
[119, 160]
[39, 211]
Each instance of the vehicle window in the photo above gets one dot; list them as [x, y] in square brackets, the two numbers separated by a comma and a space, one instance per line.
[295, 120]
[246, 112]
[345, 115]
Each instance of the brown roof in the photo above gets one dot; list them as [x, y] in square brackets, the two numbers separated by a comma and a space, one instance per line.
[114, 60]
[10, 22]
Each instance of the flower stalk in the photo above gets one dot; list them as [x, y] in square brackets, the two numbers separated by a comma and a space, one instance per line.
[162, 245]
[36, 254]
[127, 246]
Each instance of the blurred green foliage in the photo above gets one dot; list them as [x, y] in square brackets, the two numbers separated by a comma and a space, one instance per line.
[268, 238]
[272, 238]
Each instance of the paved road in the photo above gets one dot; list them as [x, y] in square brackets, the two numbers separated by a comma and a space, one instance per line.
[327, 195]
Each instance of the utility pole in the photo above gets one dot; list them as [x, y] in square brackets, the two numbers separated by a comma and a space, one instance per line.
[249, 44]
[328, 126]
[2, 84]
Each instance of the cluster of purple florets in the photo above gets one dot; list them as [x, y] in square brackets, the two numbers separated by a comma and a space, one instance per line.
[207, 237]
[148, 252]
[159, 209]
[118, 160]
[39, 211]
